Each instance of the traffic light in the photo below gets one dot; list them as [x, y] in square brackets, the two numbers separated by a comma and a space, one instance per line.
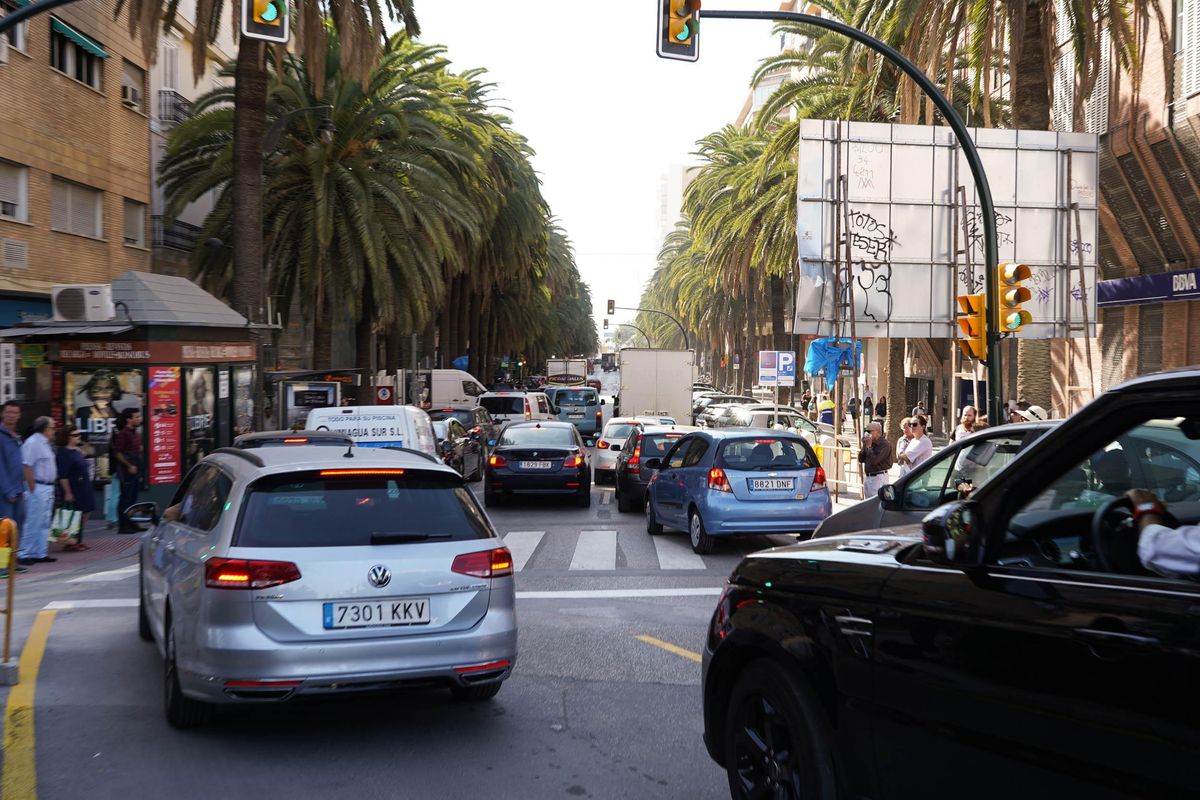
[266, 20]
[679, 29]
[973, 321]
[612, 307]
[1012, 294]
[606, 323]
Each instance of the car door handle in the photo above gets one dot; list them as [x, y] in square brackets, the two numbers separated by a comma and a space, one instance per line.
[170, 548]
[1119, 638]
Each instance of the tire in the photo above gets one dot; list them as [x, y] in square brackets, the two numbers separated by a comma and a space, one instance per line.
[476, 693]
[652, 525]
[491, 499]
[144, 631]
[795, 759]
[182, 711]
[702, 542]
[584, 500]
[478, 473]
[623, 503]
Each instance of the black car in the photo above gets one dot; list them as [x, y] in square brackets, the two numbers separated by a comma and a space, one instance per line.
[459, 449]
[477, 421]
[652, 441]
[1013, 644]
[544, 457]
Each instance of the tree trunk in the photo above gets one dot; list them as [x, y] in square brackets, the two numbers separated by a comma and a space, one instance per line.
[893, 381]
[249, 122]
[393, 359]
[428, 344]
[474, 332]
[322, 330]
[364, 339]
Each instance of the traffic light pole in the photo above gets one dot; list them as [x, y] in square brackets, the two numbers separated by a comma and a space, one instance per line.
[639, 330]
[991, 251]
[686, 344]
[25, 12]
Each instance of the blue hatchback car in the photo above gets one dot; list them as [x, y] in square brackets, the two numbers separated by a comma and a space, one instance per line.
[736, 481]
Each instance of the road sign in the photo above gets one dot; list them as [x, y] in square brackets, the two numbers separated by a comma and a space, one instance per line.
[786, 375]
[768, 368]
[384, 396]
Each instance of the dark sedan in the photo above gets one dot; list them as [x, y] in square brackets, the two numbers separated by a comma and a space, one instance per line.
[652, 441]
[532, 458]
[477, 421]
[459, 449]
[1034, 640]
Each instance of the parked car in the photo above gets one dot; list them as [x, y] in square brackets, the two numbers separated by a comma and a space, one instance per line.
[973, 459]
[701, 403]
[1017, 636]
[281, 572]
[538, 458]
[477, 421]
[717, 483]
[517, 406]
[642, 444]
[251, 441]
[459, 449]
[763, 416]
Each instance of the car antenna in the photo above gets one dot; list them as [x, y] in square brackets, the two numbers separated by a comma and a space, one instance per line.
[349, 451]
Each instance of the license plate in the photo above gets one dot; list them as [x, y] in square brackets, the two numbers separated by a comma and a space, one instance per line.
[772, 484]
[535, 464]
[575, 416]
[377, 613]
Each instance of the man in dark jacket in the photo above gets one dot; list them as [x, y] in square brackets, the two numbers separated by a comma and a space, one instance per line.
[876, 458]
[12, 468]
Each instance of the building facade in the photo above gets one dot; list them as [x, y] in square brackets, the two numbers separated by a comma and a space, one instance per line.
[75, 180]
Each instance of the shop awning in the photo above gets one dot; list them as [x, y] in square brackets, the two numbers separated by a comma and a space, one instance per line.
[63, 330]
[78, 38]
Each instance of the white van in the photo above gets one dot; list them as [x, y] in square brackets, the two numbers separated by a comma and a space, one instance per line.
[517, 406]
[378, 426]
[453, 388]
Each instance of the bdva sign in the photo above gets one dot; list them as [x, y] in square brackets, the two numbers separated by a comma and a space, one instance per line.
[787, 368]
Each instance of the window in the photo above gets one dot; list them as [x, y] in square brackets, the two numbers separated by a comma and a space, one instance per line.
[16, 35]
[205, 500]
[1187, 38]
[695, 453]
[133, 86]
[655, 445]
[503, 405]
[14, 187]
[471, 389]
[766, 453]
[168, 63]
[536, 436]
[76, 209]
[543, 404]
[76, 55]
[135, 223]
[676, 456]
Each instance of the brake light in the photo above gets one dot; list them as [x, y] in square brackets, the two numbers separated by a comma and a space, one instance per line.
[602, 445]
[635, 461]
[300, 440]
[497, 461]
[573, 461]
[765, 441]
[482, 667]
[717, 480]
[528, 412]
[239, 573]
[819, 479]
[484, 563]
[327, 473]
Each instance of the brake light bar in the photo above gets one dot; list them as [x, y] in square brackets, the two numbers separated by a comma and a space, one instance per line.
[484, 563]
[765, 441]
[297, 440]
[240, 573]
[329, 473]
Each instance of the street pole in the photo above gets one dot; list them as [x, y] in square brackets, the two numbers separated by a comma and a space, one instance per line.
[639, 330]
[991, 252]
[25, 12]
[686, 344]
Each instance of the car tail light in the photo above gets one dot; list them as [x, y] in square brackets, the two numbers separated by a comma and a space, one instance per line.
[296, 440]
[484, 563]
[239, 573]
[819, 479]
[573, 461]
[528, 412]
[329, 473]
[497, 461]
[717, 480]
[635, 461]
[482, 667]
[602, 445]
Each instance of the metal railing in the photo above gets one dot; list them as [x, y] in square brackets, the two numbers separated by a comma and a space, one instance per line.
[177, 235]
[172, 106]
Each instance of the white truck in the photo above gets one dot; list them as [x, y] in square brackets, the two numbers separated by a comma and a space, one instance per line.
[566, 371]
[657, 382]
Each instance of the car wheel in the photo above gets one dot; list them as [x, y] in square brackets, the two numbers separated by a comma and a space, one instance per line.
[491, 499]
[478, 473]
[584, 499]
[652, 525]
[474, 694]
[182, 711]
[144, 631]
[702, 543]
[776, 740]
[623, 502]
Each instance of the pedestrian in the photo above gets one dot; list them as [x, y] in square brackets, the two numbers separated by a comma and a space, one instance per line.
[868, 406]
[852, 408]
[919, 447]
[903, 442]
[825, 410]
[41, 473]
[127, 452]
[919, 409]
[74, 479]
[1032, 414]
[966, 422]
[12, 471]
[876, 458]
[881, 408]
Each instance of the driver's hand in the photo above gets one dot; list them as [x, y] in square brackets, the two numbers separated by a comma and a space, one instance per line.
[1139, 496]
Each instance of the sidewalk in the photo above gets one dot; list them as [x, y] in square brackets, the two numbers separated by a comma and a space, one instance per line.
[104, 544]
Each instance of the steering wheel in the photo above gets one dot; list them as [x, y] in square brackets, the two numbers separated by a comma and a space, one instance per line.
[1115, 537]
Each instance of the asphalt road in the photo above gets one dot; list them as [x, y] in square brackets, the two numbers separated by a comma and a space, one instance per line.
[591, 710]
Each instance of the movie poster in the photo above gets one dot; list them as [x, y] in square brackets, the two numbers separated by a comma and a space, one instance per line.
[94, 399]
[200, 400]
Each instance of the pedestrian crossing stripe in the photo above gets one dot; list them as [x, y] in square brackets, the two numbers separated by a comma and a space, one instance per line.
[596, 550]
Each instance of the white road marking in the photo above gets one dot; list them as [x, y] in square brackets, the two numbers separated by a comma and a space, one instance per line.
[120, 602]
[606, 497]
[105, 577]
[675, 552]
[586, 594]
[522, 544]
[595, 550]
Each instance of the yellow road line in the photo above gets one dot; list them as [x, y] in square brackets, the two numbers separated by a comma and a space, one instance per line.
[20, 750]
[670, 648]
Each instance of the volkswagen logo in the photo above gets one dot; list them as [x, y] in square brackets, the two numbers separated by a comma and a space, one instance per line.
[379, 576]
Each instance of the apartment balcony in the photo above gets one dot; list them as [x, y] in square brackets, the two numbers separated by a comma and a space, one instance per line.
[173, 107]
[176, 236]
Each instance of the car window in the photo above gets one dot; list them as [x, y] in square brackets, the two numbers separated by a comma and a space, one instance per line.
[765, 453]
[503, 405]
[696, 452]
[470, 389]
[618, 430]
[677, 454]
[205, 500]
[656, 445]
[457, 431]
[631, 443]
[575, 397]
[309, 509]
[979, 463]
[543, 404]
[926, 488]
[532, 436]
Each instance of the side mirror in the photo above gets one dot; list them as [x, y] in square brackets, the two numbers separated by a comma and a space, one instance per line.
[590, 442]
[955, 535]
[491, 442]
[602, 401]
[888, 497]
[143, 513]
[652, 464]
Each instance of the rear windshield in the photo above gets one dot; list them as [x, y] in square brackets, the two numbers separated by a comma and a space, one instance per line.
[574, 397]
[764, 453]
[551, 437]
[656, 445]
[618, 430]
[307, 510]
[462, 416]
[503, 405]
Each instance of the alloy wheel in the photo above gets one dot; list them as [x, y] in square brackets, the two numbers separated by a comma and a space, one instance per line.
[765, 755]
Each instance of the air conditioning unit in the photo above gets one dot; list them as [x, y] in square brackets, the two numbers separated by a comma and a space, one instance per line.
[84, 302]
[130, 96]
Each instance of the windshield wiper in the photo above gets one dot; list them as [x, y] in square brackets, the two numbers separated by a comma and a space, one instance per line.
[384, 537]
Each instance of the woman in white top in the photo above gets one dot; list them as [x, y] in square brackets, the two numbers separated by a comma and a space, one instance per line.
[917, 448]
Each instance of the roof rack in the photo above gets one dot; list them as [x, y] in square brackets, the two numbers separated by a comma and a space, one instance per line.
[410, 450]
[253, 458]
